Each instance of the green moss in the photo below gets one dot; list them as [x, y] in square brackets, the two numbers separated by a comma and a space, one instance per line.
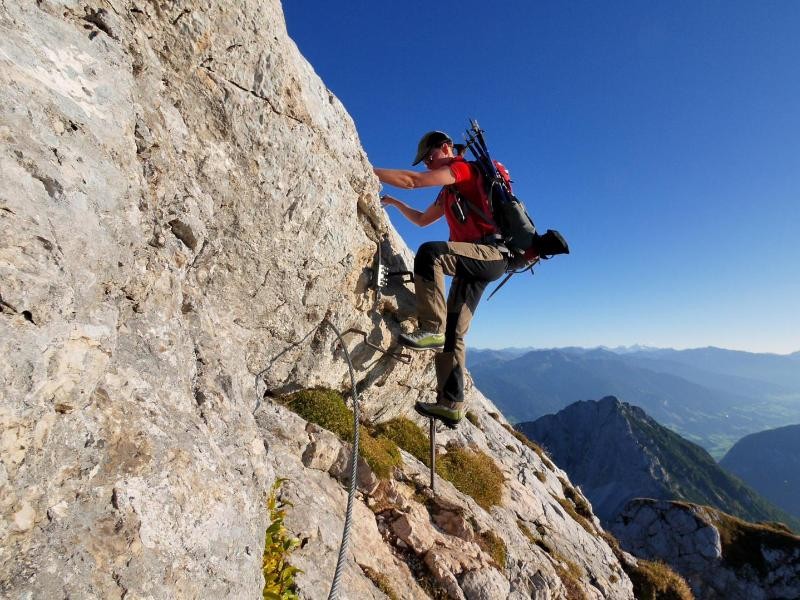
[473, 473]
[494, 547]
[656, 581]
[381, 454]
[327, 408]
[407, 434]
[473, 418]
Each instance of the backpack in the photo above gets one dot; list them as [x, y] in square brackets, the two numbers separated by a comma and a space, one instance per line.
[508, 213]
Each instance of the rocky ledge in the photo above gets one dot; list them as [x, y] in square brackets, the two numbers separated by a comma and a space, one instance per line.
[721, 557]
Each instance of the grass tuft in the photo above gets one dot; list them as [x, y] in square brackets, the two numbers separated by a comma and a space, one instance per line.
[494, 546]
[581, 506]
[326, 408]
[651, 580]
[473, 473]
[570, 576]
[743, 543]
[473, 418]
[407, 434]
[381, 582]
[656, 581]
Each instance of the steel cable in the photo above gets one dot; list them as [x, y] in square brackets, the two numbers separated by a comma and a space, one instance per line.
[334, 593]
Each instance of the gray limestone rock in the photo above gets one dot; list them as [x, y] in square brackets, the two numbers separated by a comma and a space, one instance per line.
[185, 210]
[720, 556]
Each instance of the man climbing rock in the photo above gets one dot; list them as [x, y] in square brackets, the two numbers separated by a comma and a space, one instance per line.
[474, 257]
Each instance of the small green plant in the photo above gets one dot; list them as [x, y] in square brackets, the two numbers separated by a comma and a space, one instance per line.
[381, 454]
[473, 418]
[326, 408]
[278, 545]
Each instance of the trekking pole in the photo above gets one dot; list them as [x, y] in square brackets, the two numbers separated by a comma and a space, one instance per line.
[432, 437]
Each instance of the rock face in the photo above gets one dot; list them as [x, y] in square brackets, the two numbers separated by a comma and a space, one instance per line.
[769, 461]
[185, 208]
[616, 452]
[720, 556]
[400, 530]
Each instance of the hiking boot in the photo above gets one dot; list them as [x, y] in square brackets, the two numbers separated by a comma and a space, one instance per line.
[449, 416]
[422, 340]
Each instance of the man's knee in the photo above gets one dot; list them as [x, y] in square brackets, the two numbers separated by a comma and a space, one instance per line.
[426, 257]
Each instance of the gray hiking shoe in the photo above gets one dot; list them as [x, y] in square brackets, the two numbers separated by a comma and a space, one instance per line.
[422, 340]
[449, 416]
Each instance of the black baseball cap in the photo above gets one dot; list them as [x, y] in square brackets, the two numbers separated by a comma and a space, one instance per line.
[429, 141]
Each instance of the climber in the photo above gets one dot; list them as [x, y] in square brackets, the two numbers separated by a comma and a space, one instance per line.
[474, 257]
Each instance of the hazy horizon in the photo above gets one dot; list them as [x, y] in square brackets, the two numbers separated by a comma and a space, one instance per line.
[630, 347]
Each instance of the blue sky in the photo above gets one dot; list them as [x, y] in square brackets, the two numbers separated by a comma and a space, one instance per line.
[661, 138]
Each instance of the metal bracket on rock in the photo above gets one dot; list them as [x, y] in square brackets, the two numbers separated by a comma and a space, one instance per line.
[398, 356]
[381, 273]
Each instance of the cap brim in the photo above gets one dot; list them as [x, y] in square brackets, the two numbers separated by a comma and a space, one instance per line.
[420, 156]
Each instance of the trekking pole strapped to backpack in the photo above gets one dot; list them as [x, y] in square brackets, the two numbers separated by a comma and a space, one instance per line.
[509, 215]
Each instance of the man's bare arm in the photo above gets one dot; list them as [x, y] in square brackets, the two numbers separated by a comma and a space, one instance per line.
[433, 213]
[409, 180]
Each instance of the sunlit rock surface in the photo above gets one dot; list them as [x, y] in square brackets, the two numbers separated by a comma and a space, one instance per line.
[185, 208]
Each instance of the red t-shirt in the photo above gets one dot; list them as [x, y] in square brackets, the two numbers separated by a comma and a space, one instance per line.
[469, 185]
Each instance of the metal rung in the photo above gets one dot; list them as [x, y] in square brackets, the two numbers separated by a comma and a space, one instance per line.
[398, 356]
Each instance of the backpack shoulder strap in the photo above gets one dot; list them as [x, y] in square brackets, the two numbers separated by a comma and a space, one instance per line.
[476, 209]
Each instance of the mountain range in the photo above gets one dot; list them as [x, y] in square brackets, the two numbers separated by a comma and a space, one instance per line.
[711, 396]
[769, 461]
[616, 453]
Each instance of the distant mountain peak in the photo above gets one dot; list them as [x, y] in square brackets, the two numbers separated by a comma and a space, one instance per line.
[616, 452]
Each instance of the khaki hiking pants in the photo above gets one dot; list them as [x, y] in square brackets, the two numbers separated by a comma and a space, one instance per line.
[473, 267]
